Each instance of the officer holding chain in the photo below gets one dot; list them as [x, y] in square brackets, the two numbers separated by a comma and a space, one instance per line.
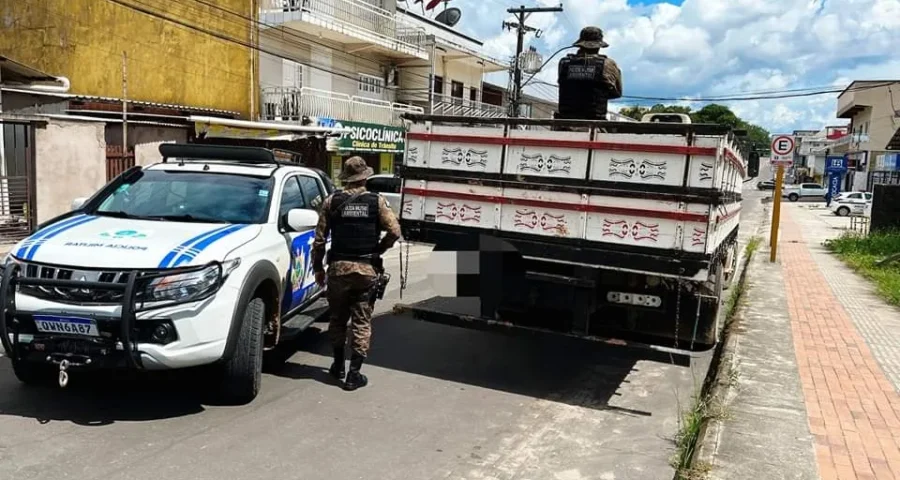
[355, 218]
[588, 79]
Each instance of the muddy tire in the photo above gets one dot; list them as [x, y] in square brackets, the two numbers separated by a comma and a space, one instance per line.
[242, 373]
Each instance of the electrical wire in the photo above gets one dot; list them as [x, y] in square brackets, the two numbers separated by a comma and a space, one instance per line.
[294, 34]
[146, 9]
[775, 94]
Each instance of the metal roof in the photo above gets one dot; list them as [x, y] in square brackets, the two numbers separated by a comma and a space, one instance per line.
[894, 142]
[15, 72]
[172, 106]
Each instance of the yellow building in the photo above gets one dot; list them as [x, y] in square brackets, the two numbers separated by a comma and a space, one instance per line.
[203, 61]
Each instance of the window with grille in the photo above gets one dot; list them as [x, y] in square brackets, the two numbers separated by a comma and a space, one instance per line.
[370, 84]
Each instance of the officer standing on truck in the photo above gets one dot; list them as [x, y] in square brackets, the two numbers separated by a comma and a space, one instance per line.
[355, 218]
[587, 79]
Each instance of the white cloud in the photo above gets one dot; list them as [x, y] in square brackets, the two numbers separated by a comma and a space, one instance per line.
[704, 48]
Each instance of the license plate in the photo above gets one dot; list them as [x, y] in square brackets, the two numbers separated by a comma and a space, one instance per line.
[66, 325]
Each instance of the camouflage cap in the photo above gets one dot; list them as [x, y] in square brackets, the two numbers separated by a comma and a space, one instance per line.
[591, 37]
[355, 170]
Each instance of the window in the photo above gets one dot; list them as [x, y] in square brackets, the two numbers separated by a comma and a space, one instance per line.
[811, 185]
[370, 84]
[473, 94]
[456, 89]
[191, 196]
[868, 196]
[855, 196]
[291, 197]
[383, 185]
[312, 194]
[438, 85]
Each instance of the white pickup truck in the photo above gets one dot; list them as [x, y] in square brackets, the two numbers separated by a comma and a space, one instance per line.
[203, 259]
[593, 229]
[804, 190]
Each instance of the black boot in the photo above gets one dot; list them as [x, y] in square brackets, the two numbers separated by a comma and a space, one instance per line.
[337, 368]
[354, 378]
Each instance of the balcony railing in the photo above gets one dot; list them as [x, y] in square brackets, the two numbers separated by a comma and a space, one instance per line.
[292, 104]
[355, 18]
[448, 105]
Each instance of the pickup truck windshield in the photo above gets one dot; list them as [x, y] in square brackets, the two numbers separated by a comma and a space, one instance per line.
[190, 197]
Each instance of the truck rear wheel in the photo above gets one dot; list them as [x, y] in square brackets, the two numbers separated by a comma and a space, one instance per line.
[793, 197]
[242, 373]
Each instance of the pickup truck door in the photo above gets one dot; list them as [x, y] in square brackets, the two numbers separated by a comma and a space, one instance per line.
[300, 191]
[812, 190]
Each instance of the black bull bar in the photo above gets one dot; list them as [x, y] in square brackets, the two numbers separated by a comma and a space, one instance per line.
[135, 280]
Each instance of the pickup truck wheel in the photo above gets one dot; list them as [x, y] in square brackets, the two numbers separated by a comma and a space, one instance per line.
[843, 211]
[34, 373]
[242, 373]
[793, 197]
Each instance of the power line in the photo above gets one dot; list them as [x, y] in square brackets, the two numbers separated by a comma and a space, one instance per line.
[775, 94]
[297, 35]
[143, 8]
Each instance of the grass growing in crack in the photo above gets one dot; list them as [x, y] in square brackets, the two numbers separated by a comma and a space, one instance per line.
[704, 407]
[865, 255]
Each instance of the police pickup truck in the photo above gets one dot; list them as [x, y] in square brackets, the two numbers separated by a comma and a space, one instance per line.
[200, 260]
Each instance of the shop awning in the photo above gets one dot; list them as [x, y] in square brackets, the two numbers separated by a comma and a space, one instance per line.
[212, 127]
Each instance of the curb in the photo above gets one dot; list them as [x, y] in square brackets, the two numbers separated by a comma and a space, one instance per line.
[708, 439]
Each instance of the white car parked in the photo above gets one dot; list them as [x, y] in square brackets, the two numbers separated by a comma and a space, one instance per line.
[203, 259]
[851, 203]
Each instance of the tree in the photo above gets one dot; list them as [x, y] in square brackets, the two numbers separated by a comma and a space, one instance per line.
[636, 111]
[713, 113]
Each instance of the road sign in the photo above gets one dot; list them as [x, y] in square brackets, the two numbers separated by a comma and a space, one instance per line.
[783, 150]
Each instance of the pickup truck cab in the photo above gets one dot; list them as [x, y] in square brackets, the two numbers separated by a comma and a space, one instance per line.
[201, 260]
[851, 203]
[804, 190]
[388, 186]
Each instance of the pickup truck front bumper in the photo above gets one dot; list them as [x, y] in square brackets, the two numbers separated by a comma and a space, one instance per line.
[116, 338]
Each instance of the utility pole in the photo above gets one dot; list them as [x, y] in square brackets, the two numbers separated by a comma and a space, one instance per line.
[522, 14]
[124, 106]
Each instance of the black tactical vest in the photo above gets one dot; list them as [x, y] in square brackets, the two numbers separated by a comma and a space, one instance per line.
[583, 93]
[353, 219]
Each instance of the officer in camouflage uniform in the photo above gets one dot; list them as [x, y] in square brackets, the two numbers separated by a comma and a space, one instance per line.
[587, 79]
[355, 218]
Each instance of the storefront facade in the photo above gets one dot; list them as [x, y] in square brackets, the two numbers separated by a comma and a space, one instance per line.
[381, 146]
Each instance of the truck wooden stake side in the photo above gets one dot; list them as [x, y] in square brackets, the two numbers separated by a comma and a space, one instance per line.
[595, 229]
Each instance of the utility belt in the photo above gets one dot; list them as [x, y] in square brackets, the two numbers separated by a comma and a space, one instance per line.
[373, 259]
[382, 278]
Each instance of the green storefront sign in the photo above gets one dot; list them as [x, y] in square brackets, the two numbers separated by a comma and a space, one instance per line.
[371, 137]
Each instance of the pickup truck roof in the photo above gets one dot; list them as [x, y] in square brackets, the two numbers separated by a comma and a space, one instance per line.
[254, 161]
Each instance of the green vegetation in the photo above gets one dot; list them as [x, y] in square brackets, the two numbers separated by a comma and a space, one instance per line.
[705, 406]
[875, 257]
[712, 113]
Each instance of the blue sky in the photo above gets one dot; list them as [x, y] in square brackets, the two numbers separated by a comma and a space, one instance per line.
[703, 48]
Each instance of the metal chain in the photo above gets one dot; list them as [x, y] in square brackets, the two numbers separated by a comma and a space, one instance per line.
[404, 268]
[677, 312]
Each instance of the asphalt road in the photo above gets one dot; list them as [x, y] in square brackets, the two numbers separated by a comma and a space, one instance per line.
[443, 403]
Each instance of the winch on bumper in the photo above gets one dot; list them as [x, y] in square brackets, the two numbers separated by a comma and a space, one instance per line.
[80, 338]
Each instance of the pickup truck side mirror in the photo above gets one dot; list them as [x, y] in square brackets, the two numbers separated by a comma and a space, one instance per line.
[78, 203]
[302, 219]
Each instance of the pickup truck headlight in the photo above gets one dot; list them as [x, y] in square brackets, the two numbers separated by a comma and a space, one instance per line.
[186, 287]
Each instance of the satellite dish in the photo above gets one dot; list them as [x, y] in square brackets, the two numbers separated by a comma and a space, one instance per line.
[449, 17]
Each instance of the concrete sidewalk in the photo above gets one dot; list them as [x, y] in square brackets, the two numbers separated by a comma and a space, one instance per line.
[815, 367]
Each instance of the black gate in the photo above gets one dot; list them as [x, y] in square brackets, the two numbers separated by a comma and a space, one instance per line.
[17, 179]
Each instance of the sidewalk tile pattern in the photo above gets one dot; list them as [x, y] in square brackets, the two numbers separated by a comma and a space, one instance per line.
[853, 409]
